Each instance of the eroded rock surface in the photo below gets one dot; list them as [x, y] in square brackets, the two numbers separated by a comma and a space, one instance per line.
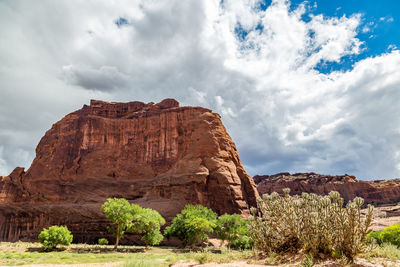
[373, 192]
[385, 216]
[157, 155]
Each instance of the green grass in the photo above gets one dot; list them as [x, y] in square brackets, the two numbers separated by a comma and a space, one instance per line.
[21, 253]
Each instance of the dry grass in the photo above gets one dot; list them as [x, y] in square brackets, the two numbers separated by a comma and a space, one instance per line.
[22, 253]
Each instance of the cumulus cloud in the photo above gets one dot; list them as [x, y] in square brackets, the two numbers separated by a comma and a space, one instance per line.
[257, 68]
[3, 164]
[103, 79]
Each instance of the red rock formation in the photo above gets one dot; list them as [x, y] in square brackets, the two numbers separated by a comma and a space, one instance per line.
[157, 155]
[373, 192]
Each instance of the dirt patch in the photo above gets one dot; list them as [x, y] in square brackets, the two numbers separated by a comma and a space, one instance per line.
[104, 264]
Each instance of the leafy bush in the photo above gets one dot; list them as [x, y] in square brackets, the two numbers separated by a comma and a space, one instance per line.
[135, 219]
[389, 235]
[103, 241]
[233, 228]
[54, 236]
[376, 236]
[242, 242]
[192, 225]
[317, 224]
[148, 223]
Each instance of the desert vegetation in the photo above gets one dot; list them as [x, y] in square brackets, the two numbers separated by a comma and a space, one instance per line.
[233, 229]
[192, 225]
[133, 218]
[295, 230]
[390, 235]
[55, 235]
[315, 225]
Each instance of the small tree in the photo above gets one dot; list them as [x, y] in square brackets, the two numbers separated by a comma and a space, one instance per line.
[233, 228]
[55, 235]
[192, 225]
[148, 223]
[120, 212]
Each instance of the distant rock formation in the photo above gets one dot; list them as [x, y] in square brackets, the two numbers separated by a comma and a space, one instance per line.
[373, 192]
[157, 155]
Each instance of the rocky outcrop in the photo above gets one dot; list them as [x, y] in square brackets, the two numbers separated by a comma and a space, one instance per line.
[160, 156]
[373, 192]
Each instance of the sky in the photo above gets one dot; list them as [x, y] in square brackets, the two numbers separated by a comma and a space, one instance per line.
[301, 85]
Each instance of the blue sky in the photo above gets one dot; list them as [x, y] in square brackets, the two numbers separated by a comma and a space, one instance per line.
[379, 29]
[297, 90]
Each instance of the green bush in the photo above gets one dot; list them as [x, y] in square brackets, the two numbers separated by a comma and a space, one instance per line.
[135, 219]
[192, 225]
[54, 236]
[233, 228]
[376, 236]
[148, 223]
[103, 241]
[389, 235]
[242, 242]
[315, 224]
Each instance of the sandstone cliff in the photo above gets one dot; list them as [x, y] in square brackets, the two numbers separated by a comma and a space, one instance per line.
[373, 192]
[157, 155]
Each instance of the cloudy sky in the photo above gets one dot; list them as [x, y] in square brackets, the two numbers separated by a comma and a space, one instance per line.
[301, 86]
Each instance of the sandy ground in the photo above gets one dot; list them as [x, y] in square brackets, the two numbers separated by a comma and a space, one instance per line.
[385, 216]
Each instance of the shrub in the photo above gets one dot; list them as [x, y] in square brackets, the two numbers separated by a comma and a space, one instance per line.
[242, 242]
[316, 224]
[376, 236]
[389, 235]
[54, 236]
[192, 225]
[148, 222]
[233, 228]
[103, 241]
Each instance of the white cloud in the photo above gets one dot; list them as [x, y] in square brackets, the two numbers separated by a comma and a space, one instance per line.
[281, 112]
[366, 29]
[3, 165]
[387, 19]
[103, 79]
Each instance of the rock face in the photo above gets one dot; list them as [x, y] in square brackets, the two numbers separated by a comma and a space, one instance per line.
[373, 192]
[160, 156]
